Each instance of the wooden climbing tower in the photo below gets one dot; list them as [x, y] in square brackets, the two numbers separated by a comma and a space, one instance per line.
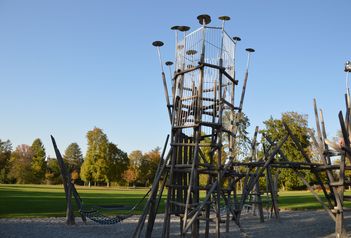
[203, 143]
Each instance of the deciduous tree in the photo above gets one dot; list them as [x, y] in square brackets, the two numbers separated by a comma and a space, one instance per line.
[118, 162]
[21, 169]
[5, 155]
[95, 165]
[275, 130]
[53, 173]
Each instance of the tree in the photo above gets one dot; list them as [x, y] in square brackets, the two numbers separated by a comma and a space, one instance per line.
[130, 175]
[5, 156]
[20, 162]
[135, 158]
[38, 164]
[118, 162]
[153, 157]
[143, 166]
[133, 175]
[241, 123]
[53, 173]
[275, 130]
[73, 158]
[95, 165]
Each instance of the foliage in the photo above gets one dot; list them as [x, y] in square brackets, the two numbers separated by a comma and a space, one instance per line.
[53, 173]
[118, 162]
[142, 167]
[38, 164]
[240, 123]
[5, 156]
[130, 175]
[95, 165]
[73, 158]
[275, 130]
[21, 164]
[149, 165]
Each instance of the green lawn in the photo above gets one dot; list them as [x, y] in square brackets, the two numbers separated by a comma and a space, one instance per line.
[49, 201]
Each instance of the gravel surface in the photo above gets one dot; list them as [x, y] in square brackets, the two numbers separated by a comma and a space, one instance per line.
[292, 224]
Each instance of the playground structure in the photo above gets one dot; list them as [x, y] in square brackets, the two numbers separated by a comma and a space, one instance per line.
[205, 117]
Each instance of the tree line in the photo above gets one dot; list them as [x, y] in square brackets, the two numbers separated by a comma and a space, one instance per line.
[103, 164]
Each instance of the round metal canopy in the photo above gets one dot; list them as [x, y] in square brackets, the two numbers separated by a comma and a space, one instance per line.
[250, 50]
[183, 28]
[204, 18]
[236, 38]
[157, 43]
[224, 18]
[175, 28]
[168, 63]
[191, 52]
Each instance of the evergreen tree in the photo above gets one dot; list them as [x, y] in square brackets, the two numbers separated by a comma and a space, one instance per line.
[38, 164]
[73, 158]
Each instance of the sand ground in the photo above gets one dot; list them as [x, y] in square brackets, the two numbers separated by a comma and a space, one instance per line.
[292, 224]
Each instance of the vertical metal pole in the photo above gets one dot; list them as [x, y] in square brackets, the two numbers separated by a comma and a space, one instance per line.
[249, 51]
[158, 44]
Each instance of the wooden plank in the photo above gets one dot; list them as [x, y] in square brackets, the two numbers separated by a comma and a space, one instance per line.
[66, 184]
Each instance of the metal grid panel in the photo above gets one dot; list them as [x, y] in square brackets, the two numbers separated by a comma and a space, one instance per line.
[217, 45]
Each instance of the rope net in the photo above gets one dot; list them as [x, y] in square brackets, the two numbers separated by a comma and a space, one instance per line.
[95, 214]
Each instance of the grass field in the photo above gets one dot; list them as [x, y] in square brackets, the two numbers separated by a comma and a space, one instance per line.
[49, 201]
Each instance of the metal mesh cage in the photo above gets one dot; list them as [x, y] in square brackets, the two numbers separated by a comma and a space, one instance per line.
[217, 49]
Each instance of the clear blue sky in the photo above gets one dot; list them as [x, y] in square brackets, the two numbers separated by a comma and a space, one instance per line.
[67, 66]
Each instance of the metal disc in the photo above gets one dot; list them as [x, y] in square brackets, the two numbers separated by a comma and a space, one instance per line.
[157, 43]
[236, 38]
[183, 28]
[168, 63]
[224, 18]
[175, 28]
[204, 18]
[250, 50]
[191, 52]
